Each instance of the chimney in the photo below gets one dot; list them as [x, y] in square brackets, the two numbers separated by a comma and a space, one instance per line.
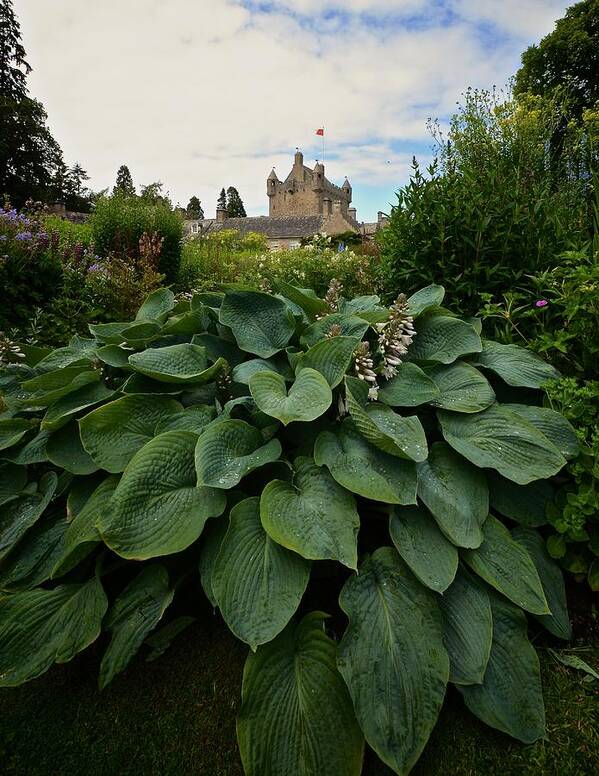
[352, 213]
[221, 214]
[298, 161]
[327, 206]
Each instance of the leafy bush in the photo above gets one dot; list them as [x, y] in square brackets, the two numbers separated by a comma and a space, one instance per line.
[225, 257]
[278, 445]
[498, 202]
[119, 222]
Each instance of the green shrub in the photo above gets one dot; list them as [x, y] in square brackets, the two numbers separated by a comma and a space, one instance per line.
[118, 222]
[225, 257]
[496, 204]
[277, 444]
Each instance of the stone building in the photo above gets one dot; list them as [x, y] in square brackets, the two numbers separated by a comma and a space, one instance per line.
[299, 207]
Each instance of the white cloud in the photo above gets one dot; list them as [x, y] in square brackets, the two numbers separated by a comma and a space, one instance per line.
[209, 93]
[521, 18]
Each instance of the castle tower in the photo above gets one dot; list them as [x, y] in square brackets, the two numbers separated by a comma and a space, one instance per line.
[318, 177]
[272, 183]
[347, 189]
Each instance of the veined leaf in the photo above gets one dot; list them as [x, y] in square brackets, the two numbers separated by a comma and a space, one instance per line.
[510, 697]
[308, 302]
[308, 398]
[261, 323]
[432, 559]
[114, 432]
[185, 363]
[314, 517]
[132, 616]
[50, 386]
[40, 627]
[552, 424]
[364, 469]
[444, 339]
[156, 305]
[500, 439]
[212, 538]
[195, 418]
[31, 562]
[552, 581]
[467, 628]
[296, 716]
[456, 493]
[410, 387]
[18, 515]
[516, 366]
[33, 451]
[349, 325]
[12, 481]
[157, 509]
[425, 298]
[258, 584]
[245, 370]
[12, 430]
[392, 658]
[507, 566]
[229, 450]
[462, 388]
[331, 357]
[62, 411]
[526, 504]
[64, 449]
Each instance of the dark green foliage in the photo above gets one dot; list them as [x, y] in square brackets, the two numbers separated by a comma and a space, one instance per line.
[14, 68]
[491, 209]
[177, 440]
[118, 222]
[221, 202]
[235, 208]
[194, 208]
[124, 182]
[566, 60]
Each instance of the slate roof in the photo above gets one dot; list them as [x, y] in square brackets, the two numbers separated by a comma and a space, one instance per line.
[274, 227]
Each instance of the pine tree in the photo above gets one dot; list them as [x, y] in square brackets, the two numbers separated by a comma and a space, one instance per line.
[221, 202]
[235, 208]
[194, 209]
[124, 182]
[14, 68]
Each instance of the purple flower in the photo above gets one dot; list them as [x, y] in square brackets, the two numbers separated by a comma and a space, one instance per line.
[541, 303]
[23, 236]
[94, 267]
[3, 237]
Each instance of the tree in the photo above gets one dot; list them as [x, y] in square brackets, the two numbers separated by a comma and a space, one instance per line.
[14, 68]
[235, 208]
[566, 60]
[30, 158]
[124, 182]
[152, 193]
[75, 195]
[194, 209]
[221, 202]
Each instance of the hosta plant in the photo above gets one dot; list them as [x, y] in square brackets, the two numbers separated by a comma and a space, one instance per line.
[285, 454]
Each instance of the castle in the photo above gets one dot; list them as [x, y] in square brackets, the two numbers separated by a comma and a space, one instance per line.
[302, 205]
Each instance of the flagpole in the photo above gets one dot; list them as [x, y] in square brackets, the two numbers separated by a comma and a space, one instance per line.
[323, 145]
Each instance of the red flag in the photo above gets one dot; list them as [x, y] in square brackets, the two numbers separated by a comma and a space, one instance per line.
[320, 131]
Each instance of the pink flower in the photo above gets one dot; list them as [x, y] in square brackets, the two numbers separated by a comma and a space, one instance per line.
[541, 303]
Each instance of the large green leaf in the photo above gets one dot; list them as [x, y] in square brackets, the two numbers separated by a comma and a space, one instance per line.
[12, 481]
[160, 640]
[40, 627]
[62, 411]
[456, 493]
[64, 449]
[392, 658]
[114, 432]
[443, 339]
[243, 371]
[157, 509]
[156, 305]
[78, 351]
[515, 365]
[507, 566]
[348, 325]
[552, 424]
[425, 298]
[501, 439]
[314, 516]
[18, 515]
[467, 628]
[185, 363]
[331, 357]
[48, 387]
[432, 559]
[526, 504]
[306, 299]
[33, 451]
[133, 615]
[510, 697]
[296, 717]
[384, 428]
[363, 468]
[258, 584]
[31, 562]
[229, 450]
[410, 387]
[552, 581]
[82, 535]
[261, 323]
[12, 430]
[195, 418]
[212, 538]
[308, 398]
[462, 388]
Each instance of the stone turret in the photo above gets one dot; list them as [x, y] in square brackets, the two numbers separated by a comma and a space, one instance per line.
[318, 177]
[347, 189]
[271, 183]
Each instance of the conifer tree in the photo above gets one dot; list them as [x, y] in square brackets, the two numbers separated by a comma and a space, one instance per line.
[124, 182]
[194, 209]
[14, 68]
[221, 202]
[235, 208]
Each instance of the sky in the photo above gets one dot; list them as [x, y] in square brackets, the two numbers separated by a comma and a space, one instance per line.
[202, 94]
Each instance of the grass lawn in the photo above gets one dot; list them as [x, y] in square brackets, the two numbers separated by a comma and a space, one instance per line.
[176, 715]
